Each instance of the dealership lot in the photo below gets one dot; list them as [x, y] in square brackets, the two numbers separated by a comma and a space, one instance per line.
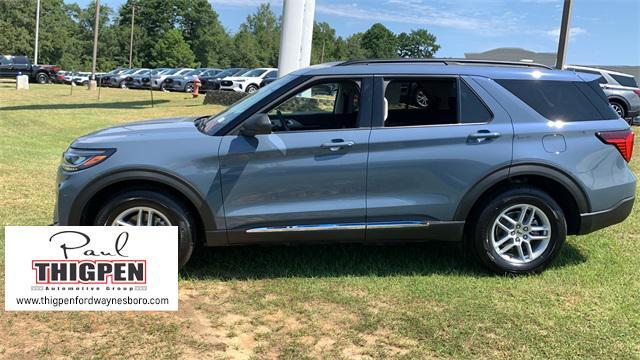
[411, 301]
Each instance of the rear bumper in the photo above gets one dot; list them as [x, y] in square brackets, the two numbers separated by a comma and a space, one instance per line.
[591, 222]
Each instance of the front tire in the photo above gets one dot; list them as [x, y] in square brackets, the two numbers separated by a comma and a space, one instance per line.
[188, 88]
[519, 231]
[619, 109]
[142, 207]
[251, 89]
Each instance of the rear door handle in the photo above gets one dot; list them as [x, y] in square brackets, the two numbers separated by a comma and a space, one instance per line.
[483, 135]
[337, 144]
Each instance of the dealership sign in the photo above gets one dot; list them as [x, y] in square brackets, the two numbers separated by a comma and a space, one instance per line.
[92, 268]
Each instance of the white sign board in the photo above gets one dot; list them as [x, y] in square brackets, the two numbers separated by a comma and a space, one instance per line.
[91, 268]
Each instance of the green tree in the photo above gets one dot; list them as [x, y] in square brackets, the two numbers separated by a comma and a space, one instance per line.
[417, 44]
[204, 32]
[244, 54]
[379, 42]
[323, 48]
[172, 51]
[354, 49]
[265, 29]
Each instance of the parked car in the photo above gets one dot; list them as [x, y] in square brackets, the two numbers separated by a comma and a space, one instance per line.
[119, 80]
[81, 78]
[11, 66]
[621, 89]
[213, 82]
[249, 81]
[186, 81]
[141, 79]
[105, 79]
[59, 77]
[501, 157]
[158, 80]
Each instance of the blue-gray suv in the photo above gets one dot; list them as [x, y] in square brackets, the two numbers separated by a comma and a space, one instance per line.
[507, 157]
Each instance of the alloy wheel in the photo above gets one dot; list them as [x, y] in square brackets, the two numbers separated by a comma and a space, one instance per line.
[521, 233]
[141, 216]
[618, 109]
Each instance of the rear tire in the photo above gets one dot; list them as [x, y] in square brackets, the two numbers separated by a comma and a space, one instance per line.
[519, 245]
[42, 78]
[619, 109]
[188, 88]
[167, 211]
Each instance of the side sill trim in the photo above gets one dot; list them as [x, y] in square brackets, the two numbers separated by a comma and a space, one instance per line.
[349, 226]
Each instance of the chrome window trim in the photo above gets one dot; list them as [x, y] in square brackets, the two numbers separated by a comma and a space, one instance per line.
[348, 226]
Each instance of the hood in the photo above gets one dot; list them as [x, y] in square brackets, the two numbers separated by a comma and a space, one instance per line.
[235, 78]
[148, 130]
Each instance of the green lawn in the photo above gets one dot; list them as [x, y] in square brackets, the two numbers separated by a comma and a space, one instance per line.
[405, 301]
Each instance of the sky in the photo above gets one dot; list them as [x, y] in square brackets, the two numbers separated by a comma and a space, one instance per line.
[603, 32]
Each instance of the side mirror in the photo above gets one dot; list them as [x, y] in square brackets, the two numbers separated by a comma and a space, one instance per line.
[257, 124]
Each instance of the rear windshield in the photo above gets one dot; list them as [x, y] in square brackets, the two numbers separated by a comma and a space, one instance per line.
[562, 100]
[625, 80]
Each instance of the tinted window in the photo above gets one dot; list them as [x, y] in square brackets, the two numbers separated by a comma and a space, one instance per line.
[625, 80]
[557, 100]
[421, 101]
[472, 110]
[271, 74]
[601, 79]
[5, 60]
[20, 60]
[254, 73]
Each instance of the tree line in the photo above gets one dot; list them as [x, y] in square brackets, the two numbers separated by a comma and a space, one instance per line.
[175, 33]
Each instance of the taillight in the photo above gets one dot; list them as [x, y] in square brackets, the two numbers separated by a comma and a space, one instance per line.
[622, 140]
[637, 92]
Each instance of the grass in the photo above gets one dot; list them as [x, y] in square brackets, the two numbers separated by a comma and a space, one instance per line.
[333, 301]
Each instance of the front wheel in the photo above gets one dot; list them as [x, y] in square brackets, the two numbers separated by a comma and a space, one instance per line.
[150, 208]
[619, 109]
[123, 85]
[188, 88]
[520, 231]
[251, 89]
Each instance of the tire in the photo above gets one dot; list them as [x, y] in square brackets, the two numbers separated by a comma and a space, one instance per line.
[619, 108]
[486, 232]
[251, 89]
[173, 210]
[42, 78]
[122, 85]
[188, 88]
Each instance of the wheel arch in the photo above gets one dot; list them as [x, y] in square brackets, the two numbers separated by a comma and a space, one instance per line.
[558, 184]
[621, 100]
[87, 203]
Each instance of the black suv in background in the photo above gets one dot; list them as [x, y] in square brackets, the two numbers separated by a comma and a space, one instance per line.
[11, 65]
[213, 82]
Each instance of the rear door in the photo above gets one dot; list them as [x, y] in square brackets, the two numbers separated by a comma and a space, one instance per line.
[437, 138]
[5, 66]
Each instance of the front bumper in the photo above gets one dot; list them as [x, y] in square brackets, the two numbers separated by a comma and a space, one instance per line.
[591, 222]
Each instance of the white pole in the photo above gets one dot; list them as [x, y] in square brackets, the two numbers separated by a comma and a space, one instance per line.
[35, 55]
[307, 33]
[133, 16]
[290, 36]
[96, 27]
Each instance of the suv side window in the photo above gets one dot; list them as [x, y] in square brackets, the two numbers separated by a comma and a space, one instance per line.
[432, 101]
[601, 79]
[4, 60]
[559, 100]
[271, 74]
[322, 106]
[625, 80]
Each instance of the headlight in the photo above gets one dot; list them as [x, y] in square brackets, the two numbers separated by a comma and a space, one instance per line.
[79, 159]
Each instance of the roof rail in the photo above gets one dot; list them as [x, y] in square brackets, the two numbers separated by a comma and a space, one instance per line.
[445, 62]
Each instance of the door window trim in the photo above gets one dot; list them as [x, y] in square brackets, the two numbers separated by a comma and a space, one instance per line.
[364, 114]
[380, 87]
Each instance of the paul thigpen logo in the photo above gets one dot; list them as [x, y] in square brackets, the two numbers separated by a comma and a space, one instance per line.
[118, 269]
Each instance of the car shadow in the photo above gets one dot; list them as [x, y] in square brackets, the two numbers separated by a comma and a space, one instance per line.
[338, 260]
[97, 105]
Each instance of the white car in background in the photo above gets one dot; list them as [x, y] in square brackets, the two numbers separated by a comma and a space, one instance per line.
[249, 81]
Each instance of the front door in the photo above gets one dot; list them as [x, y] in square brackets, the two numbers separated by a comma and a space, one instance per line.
[306, 180]
[435, 138]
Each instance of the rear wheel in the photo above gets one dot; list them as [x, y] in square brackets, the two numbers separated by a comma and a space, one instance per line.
[189, 87]
[619, 109]
[123, 84]
[42, 78]
[150, 208]
[520, 231]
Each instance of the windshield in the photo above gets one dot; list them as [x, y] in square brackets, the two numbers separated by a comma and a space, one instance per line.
[143, 72]
[217, 121]
[130, 71]
[193, 72]
[227, 72]
[254, 73]
[171, 72]
[183, 71]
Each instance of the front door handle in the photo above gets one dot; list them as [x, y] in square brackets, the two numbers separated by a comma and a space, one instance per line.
[337, 144]
[483, 135]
